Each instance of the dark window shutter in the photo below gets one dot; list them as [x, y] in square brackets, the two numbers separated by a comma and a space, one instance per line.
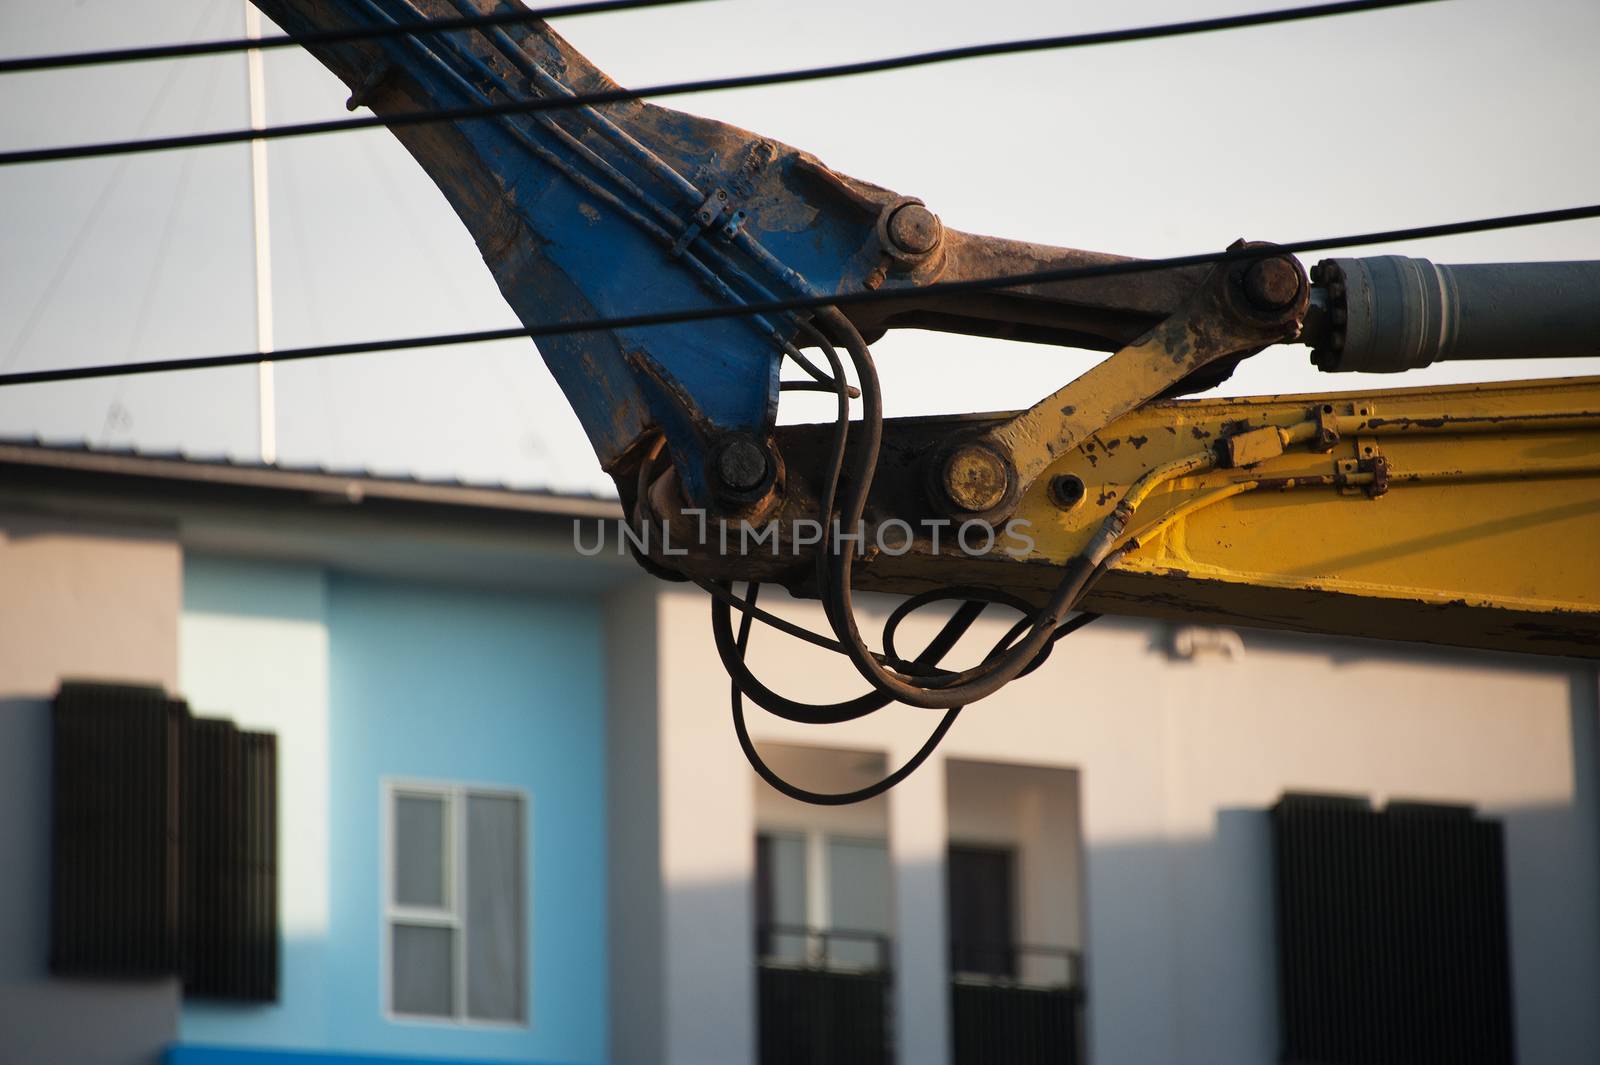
[1391, 934]
[114, 856]
[765, 910]
[165, 844]
[228, 896]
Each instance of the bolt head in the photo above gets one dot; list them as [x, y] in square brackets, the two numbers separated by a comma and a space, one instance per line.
[915, 230]
[1272, 284]
[975, 478]
[741, 464]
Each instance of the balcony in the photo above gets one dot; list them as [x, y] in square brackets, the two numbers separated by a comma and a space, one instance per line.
[823, 996]
[1012, 1004]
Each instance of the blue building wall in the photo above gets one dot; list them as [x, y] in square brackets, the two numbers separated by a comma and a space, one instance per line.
[425, 682]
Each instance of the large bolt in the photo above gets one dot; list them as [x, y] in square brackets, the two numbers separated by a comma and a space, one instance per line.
[975, 478]
[1272, 284]
[741, 464]
[915, 230]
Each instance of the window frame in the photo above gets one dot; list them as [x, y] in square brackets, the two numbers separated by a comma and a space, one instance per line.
[455, 795]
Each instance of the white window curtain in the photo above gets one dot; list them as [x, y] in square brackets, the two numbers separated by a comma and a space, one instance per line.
[494, 908]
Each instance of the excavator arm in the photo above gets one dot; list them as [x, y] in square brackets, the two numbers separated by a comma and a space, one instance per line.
[1467, 516]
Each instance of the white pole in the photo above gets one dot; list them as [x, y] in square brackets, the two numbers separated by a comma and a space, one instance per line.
[267, 411]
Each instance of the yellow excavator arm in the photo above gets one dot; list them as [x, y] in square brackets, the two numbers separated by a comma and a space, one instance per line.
[1466, 515]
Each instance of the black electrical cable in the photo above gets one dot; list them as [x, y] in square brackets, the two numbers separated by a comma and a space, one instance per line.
[819, 798]
[837, 607]
[916, 602]
[813, 713]
[192, 49]
[679, 88]
[783, 625]
[823, 798]
[727, 645]
[827, 798]
[731, 648]
[800, 303]
[827, 643]
[937, 595]
[1020, 651]
[834, 559]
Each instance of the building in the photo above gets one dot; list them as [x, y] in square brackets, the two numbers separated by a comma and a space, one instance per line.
[512, 821]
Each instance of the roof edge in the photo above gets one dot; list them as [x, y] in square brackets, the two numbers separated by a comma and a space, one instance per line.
[354, 488]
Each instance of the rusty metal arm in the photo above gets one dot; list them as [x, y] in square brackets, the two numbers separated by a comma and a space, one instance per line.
[626, 208]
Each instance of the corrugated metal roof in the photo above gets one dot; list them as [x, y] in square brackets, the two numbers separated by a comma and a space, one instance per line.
[354, 484]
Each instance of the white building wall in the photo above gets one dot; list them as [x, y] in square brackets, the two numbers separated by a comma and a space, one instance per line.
[253, 648]
[1177, 762]
[695, 918]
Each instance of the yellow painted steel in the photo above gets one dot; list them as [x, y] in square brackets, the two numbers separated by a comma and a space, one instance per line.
[1486, 533]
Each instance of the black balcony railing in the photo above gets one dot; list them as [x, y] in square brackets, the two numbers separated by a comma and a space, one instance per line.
[823, 996]
[1013, 1004]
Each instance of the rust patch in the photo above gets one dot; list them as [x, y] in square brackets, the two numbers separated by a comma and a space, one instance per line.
[1479, 419]
[1138, 441]
[1200, 433]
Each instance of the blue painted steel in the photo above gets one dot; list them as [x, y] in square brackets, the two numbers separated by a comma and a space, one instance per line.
[577, 213]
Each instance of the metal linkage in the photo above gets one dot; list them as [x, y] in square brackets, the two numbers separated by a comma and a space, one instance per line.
[1239, 308]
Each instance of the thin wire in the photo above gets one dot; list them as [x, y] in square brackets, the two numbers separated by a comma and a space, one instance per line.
[841, 299]
[743, 81]
[364, 33]
[91, 219]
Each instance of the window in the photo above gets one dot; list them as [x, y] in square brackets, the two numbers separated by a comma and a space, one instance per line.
[814, 883]
[822, 966]
[981, 896]
[454, 894]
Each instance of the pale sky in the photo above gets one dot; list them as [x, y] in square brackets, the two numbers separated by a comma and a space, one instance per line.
[1452, 110]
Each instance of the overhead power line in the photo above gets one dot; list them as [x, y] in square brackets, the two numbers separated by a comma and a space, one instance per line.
[190, 49]
[679, 88]
[846, 299]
